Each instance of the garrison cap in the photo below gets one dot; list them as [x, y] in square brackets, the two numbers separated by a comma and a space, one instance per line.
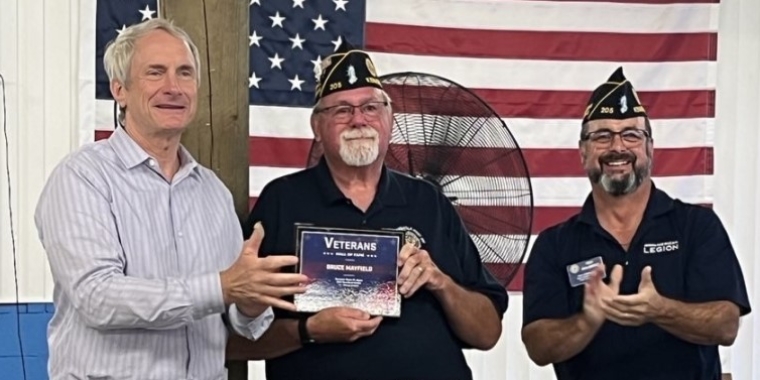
[346, 69]
[614, 99]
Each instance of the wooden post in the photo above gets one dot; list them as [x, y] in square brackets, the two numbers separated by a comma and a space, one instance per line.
[218, 137]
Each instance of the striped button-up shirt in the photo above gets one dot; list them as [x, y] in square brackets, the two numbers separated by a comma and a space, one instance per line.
[136, 260]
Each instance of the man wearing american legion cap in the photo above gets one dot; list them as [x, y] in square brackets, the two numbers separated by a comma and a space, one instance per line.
[638, 285]
[449, 301]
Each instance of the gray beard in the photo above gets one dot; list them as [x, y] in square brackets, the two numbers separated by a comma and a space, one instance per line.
[620, 186]
[358, 155]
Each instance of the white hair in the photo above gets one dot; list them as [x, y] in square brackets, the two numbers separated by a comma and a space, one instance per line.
[117, 59]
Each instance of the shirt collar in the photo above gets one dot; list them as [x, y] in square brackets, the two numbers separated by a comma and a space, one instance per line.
[132, 155]
[389, 190]
[658, 203]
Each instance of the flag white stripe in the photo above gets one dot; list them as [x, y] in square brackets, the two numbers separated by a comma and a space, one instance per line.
[562, 192]
[104, 115]
[290, 122]
[570, 16]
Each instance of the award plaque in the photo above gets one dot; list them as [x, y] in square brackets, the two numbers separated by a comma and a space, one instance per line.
[349, 267]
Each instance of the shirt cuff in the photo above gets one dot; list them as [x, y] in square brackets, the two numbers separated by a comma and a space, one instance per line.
[206, 295]
[251, 328]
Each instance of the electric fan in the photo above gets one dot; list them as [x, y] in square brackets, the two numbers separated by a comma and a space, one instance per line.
[445, 134]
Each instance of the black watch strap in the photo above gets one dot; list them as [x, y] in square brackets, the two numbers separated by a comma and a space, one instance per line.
[303, 333]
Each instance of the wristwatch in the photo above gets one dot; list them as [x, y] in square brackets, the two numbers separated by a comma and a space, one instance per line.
[303, 333]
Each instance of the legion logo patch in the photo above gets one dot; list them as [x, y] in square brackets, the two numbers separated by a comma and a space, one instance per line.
[665, 247]
[412, 236]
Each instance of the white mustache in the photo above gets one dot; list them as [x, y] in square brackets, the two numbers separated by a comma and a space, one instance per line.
[363, 133]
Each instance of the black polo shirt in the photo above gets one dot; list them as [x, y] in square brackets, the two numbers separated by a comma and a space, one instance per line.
[692, 260]
[418, 345]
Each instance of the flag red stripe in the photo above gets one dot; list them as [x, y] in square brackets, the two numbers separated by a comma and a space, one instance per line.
[544, 104]
[269, 151]
[516, 285]
[540, 45]
[100, 135]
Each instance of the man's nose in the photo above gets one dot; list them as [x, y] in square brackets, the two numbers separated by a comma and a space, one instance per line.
[171, 83]
[617, 144]
[357, 117]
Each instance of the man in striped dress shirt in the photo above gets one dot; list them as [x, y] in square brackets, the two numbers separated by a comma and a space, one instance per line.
[144, 244]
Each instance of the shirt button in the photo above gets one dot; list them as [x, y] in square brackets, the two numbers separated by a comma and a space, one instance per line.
[180, 234]
[152, 162]
[364, 221]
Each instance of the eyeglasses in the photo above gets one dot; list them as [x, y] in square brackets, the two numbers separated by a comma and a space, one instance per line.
[604, 137]
[343, 113]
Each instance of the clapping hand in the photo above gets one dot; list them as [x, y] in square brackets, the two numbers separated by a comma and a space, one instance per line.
[596, 291]
[635, 309]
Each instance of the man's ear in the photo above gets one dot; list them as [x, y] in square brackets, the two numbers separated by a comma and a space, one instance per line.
[119, 93]
[315, 128]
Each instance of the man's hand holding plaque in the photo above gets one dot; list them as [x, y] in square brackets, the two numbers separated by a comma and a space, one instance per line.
[417, 270]
[255, 283]
[341, 324]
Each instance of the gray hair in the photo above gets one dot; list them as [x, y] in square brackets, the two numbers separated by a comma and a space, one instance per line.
[117, 59]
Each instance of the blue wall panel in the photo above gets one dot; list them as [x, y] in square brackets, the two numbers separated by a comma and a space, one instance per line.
[34, 319]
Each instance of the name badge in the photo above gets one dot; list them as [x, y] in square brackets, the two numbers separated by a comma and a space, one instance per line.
[580, 272]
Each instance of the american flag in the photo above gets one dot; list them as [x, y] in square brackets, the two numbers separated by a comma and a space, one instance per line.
[535, 63]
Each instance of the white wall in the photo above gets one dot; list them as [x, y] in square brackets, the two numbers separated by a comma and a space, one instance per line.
[46, 118]
[737, 162]
[39, 47]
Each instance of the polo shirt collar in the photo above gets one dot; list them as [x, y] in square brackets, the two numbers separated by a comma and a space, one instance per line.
[658, 204]
[389, 190]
